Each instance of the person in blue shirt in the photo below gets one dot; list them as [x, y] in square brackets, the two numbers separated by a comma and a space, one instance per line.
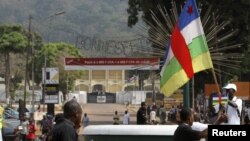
[85, 120]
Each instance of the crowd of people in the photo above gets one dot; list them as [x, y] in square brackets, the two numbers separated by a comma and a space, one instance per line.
[147, 114]
[65, 126]
[26, 130]
[192, 125]
[228, 114]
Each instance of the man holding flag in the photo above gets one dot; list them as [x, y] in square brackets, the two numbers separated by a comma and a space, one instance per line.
[187, 52]
[233, 107]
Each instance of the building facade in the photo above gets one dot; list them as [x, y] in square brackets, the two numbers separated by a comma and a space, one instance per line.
[110, 81]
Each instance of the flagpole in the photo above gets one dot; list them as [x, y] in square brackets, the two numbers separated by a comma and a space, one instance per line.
[193, 97]
[216, 84]
[186, 96]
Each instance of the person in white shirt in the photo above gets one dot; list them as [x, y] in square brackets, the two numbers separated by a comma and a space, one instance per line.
[198, 126]
[234, 106]
[126, 118]
[8, 101]
[153, 116]
[24, 128]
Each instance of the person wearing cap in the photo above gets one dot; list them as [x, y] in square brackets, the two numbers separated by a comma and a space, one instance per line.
[233, 107]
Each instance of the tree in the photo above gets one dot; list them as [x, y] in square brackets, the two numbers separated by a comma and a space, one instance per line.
[15, 81]
[239, 12]
[54, 53]
[12, 40]
[36, 45]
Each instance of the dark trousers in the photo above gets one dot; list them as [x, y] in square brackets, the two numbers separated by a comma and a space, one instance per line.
[23, 137]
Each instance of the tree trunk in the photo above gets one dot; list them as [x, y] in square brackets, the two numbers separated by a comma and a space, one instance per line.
[153, 88]
[64, 96]
[7, 74]
[153, 78]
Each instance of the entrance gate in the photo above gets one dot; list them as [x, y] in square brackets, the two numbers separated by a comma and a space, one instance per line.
[96, 97]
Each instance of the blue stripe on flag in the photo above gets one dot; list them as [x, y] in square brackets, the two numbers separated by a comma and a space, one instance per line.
[166, 53]
[185, 17]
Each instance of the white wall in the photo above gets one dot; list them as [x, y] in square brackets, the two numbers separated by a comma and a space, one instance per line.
[81, 96]
[133, 97]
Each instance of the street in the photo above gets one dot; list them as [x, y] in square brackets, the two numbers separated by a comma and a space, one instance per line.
[103, 113]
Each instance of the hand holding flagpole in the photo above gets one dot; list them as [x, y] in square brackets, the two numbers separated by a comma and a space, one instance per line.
[217, 85]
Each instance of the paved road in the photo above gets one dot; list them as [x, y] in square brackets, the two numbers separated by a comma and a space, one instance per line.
[103, 113]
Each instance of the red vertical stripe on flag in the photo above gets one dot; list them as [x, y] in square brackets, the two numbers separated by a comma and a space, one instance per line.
[181, 52]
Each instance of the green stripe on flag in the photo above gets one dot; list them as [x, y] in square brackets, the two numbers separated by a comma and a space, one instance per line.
[174, 83]
[173, 66]
[198, 46]
[179, 78]
[216, 103]
[215, 100]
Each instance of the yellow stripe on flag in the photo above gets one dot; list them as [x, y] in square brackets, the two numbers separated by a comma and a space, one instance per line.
[177, 80]
[202, 62]
[180, 78]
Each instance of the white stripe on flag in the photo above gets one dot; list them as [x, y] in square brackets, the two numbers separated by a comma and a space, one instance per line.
[169, 57]
[217, 98]
[192, 30]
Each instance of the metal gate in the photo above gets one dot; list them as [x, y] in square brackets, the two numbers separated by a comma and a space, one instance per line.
[96, 97]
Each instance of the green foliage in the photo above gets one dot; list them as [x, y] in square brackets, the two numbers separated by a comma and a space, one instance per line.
[12, 39]
[55, 54]
[146, 7]
[246, 61]
[37, 41]
[238, 12]
[133, 12]
[15, 83]
[13, 42]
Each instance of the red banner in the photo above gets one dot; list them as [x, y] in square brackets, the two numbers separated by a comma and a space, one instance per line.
[111, 63]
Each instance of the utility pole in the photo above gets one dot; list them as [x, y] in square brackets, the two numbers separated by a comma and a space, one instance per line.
[27, 58]
[32, 69]
[50, 106]
[68, 84]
